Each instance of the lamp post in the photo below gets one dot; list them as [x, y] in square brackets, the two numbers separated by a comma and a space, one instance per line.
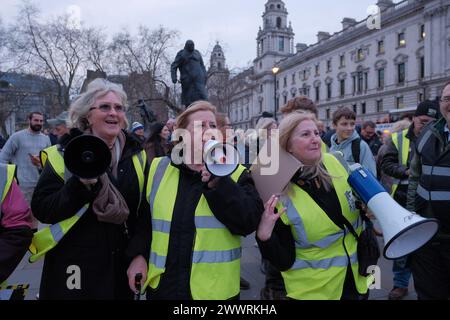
[275, 71]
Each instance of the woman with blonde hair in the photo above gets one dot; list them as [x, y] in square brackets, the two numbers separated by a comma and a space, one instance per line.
[197, 220]
[309, 238]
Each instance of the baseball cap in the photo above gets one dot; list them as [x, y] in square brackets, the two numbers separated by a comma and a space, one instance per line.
[59, 119]
[427, 108]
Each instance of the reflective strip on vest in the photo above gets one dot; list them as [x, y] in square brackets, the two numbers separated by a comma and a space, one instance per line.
[57, 230]
[436, 171]
[433, 195]
[161, 225]
[216, 256]
[303, 242]
[424, 140]
[159, 173]
[157, 260]
[206, 222]
[325, 263]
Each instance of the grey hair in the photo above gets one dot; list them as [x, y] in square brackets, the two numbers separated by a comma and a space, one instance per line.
[80, 107]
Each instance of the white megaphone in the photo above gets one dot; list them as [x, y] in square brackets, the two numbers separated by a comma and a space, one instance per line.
[403, 231]
[221, 159]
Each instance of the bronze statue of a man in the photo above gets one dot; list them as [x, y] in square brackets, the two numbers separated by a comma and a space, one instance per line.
[193, 74]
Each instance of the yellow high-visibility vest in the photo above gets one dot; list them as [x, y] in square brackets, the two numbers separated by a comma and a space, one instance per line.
[7, 173]
[321, 260]
[47, 238]
[401, 142]
[215, 270]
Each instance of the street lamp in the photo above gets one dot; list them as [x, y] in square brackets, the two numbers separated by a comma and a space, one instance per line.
[275, 71]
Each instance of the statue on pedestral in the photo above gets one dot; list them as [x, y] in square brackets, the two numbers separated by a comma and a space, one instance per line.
[193, 74]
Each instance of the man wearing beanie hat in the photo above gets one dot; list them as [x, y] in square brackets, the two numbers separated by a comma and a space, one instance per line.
[429, 196]
[137, 130]
[395, 163]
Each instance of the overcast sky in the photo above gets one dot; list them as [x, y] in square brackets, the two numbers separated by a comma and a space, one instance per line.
[234, 23]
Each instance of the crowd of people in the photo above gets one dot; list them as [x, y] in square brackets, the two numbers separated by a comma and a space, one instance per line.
[175, 229]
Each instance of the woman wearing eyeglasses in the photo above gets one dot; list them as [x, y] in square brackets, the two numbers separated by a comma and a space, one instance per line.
[88, 259]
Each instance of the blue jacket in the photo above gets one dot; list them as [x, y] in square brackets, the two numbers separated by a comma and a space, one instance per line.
[366, 157]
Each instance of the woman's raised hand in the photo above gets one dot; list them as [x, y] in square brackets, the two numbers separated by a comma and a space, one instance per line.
[268, 219]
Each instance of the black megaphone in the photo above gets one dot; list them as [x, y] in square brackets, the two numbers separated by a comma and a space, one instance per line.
[87, 156]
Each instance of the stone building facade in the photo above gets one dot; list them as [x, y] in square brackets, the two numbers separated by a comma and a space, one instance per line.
[372, 71]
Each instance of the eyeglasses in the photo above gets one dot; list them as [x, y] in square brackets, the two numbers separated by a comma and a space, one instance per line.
[107, 108]
[445, 99]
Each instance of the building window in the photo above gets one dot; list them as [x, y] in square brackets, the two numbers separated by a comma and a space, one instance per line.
[328, 90]
[278, 22]
[260, 106]
[281, 44]
[354, 84]
[401, 39]
[360, 54]
[317, 69]
[304, 75]
[293, 78]
[260, 88]
[285, 82]
[422, 32]
[422, 67]
[284, 100]
[380, 47]
[363, 108]
[379, 106]
[381, 78]
[342, 61]
[329, 65]
[401, 73]
[420, 97]
[278, 84]
[355, 108]
[317, 94]
[399, 102]
[328, 113]
[366, 81]
[342, 87]
[360, 82]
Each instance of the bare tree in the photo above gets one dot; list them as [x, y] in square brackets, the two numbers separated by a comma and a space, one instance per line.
[96, 49]
[51, 49]
[148, 53]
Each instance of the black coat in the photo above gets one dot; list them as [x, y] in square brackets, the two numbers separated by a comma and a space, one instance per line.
[97, 248]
